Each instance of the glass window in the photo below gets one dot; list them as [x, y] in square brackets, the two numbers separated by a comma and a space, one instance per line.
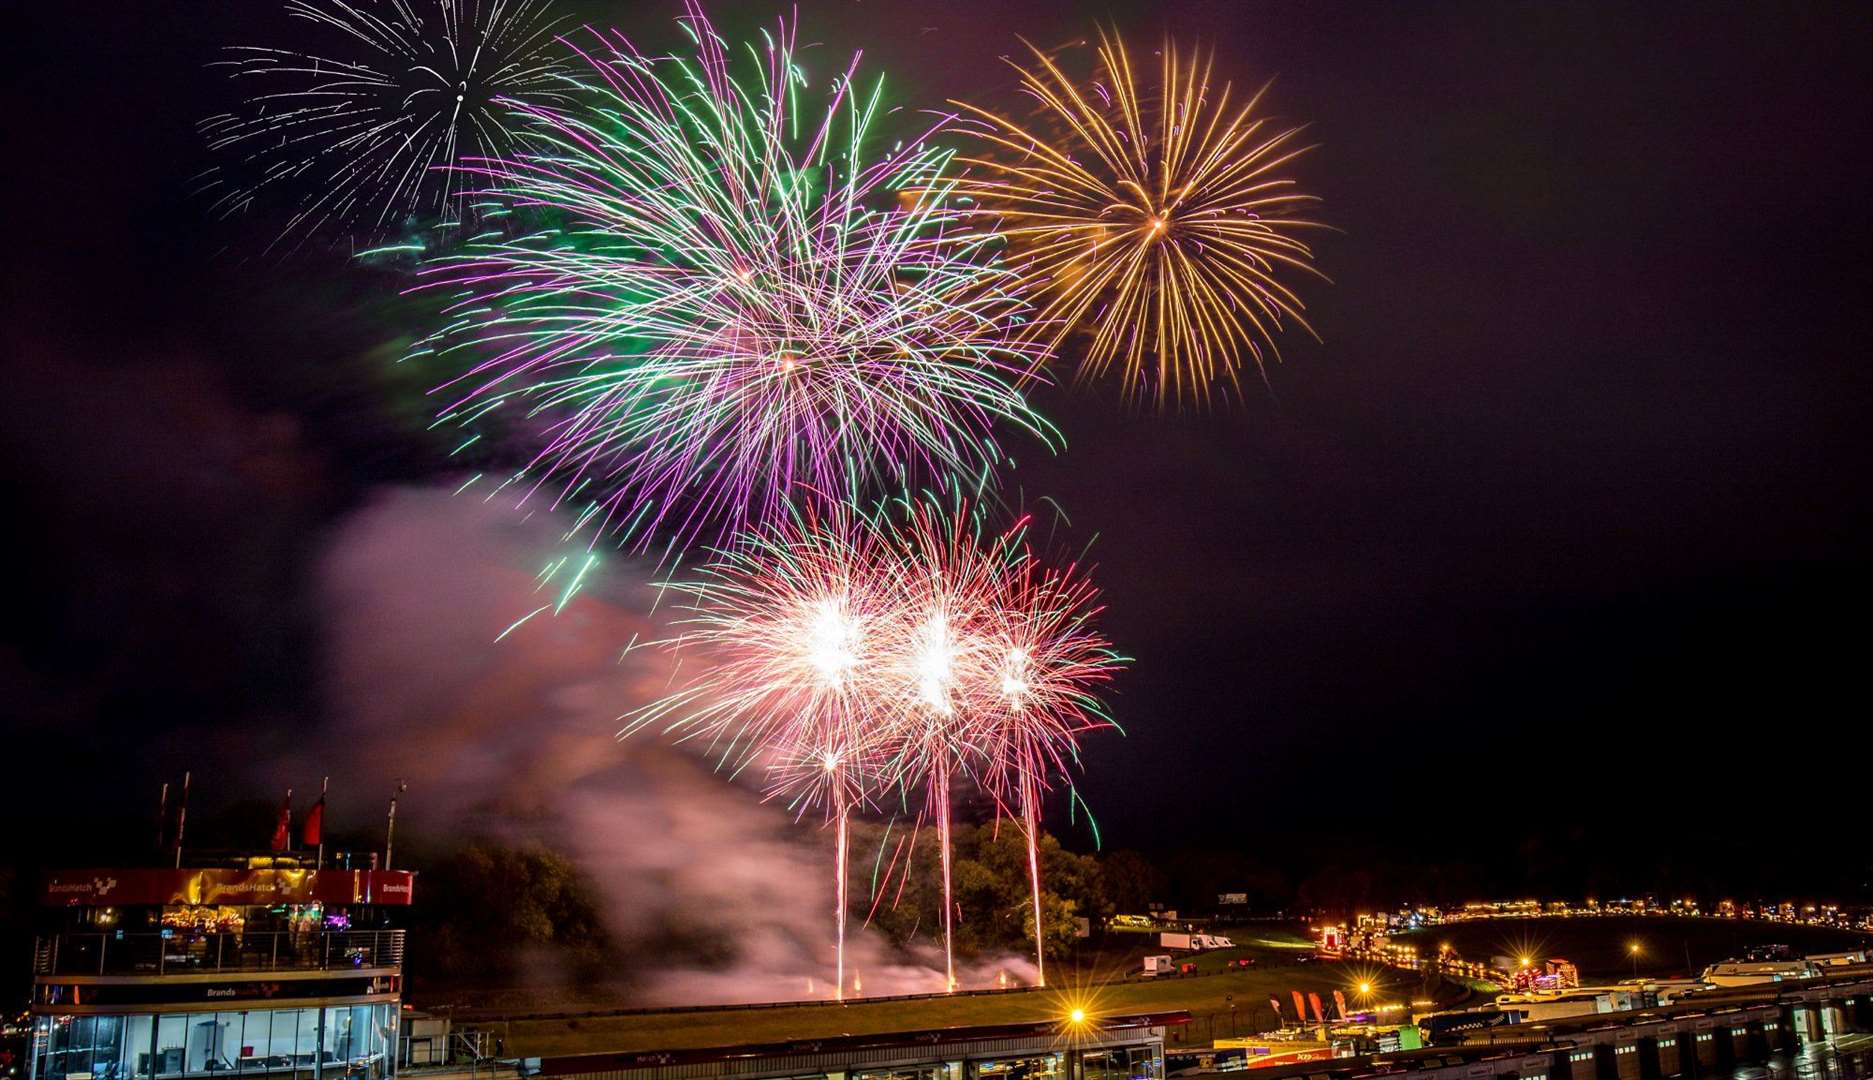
[258, 1053]
[221, 1041]
[58, 1048]
[170, 1034]
[83, 1040]
[357, 1041]
[107, 1053]
[201, 1043]
[1038, 1067]
[928, 1072]
[1121, 1063]
[135, 1063]
[299, 1029]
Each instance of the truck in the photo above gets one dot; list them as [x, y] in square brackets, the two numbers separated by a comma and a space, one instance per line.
[1159, 965]
[1194, 942]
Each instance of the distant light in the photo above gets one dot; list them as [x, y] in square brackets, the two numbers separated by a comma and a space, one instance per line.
[1365, 988]
[1078, 1016]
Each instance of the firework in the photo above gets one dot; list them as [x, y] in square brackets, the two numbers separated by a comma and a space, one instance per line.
[365, 133]
[931, 680]
[730, 304]
[995, 673]
[1163, 227]
[790, 619]
[1045, 666]
[904, 650]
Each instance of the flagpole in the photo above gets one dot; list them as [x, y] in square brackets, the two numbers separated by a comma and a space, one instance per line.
[182, 818]
[162, 819]
[325, 786]
[390, 826]
[283, 831]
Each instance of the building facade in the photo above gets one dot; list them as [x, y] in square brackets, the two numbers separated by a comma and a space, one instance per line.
[258, 967]
[1108, 1048]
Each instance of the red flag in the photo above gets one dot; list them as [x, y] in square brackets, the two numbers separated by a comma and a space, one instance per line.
[1300, 1008]
[1339, 1002]
[283, 829]
[1320, 1015]
[312, 833]
[1275, 1003]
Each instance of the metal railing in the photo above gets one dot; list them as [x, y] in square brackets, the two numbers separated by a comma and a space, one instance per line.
[182, 952]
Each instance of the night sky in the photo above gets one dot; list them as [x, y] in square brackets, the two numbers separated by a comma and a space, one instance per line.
[1547, 570]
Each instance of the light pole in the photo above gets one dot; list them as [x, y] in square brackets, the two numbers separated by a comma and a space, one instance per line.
[1633, 950]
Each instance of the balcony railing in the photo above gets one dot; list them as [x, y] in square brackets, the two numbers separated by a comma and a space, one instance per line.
[183, 952]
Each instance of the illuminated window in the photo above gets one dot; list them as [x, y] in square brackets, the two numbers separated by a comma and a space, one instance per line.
[1038, 1067]
[1121, 1063]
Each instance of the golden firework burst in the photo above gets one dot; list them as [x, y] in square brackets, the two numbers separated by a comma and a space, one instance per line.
[1162, 229]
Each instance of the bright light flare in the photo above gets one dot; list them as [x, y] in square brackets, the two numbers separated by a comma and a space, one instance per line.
[832, 645]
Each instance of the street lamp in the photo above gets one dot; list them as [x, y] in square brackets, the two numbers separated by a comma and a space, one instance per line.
[1633, 950]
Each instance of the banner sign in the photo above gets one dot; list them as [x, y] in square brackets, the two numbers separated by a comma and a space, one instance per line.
[172, 992]
[238, 888]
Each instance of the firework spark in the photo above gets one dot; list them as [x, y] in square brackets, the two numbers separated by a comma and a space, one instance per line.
[365, 134]
[789, 618]
[930, 681]
[896, 652]
[1046, 666]
[997, 674]
[730, 304]
[1164, 228]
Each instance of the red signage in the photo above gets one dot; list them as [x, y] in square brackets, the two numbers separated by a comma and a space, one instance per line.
[237, 888]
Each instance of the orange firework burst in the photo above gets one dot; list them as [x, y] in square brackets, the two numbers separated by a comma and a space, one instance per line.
[1163, 228]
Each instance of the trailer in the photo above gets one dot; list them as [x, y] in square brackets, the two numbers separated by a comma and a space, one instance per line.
[1194, 942]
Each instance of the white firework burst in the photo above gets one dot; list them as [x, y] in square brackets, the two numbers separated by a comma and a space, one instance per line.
[360, 132]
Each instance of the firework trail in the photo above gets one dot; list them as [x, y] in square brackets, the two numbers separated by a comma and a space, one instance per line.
[998, 673]
[365, 134]
[896, 651]
[944, 592]
[1164, 228]
[730, 303]
[789, 619]
[1047, 664]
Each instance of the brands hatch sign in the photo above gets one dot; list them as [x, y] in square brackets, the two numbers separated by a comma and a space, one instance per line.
[133, 887]
[184, 993]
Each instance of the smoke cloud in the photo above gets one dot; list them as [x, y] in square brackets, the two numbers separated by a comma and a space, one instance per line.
[722, 897]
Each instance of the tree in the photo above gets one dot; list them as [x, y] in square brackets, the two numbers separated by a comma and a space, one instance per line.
[489, 904]
[1132, 881]
[989, 882]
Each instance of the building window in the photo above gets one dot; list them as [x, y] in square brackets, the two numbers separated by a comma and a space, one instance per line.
[1038, 1067]
[1122, 1063]
[909, 1072]
[284, 1043]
